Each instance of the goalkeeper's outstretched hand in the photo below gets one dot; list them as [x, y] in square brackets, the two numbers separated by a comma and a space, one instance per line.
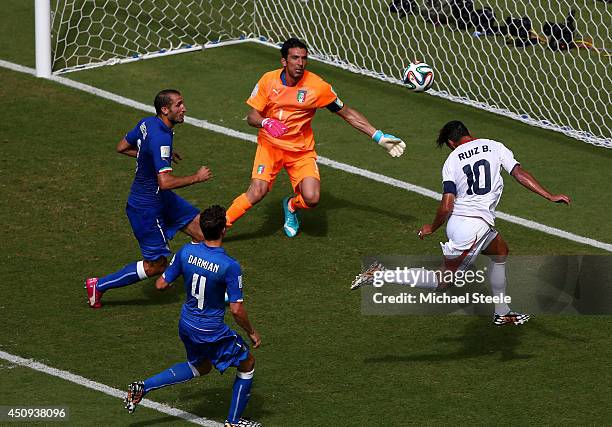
[394, 146]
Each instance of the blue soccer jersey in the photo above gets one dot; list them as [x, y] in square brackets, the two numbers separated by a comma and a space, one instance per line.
[208, 272]
[154, 141]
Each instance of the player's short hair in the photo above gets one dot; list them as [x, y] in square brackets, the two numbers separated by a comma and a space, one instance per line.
[164, 99]
[452, 131]
[291, 43]
[212, 222]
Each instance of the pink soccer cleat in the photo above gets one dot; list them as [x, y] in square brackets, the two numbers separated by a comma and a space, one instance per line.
[93, 294]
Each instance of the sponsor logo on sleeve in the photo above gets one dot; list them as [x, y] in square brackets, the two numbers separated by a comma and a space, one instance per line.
[240, 282]
[254, 91]
[143, 130]
[164, 151]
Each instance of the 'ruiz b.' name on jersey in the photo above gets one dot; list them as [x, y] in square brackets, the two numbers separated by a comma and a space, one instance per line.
[472, 152]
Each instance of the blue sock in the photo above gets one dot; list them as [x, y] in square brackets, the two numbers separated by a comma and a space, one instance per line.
[126, 276]
[179, 373]
[240, 395]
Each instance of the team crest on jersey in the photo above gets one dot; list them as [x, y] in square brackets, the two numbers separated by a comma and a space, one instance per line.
[301, 96]
[260, 169]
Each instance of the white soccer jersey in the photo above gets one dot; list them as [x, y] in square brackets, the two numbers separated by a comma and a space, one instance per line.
[473, 173]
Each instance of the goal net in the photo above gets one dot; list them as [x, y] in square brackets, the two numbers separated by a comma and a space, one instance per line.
[543, 65]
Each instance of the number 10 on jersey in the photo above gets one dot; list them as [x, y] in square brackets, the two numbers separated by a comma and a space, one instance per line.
[473, 177]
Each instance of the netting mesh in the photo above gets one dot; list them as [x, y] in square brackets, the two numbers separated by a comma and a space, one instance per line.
[546, 65]
[86, 32]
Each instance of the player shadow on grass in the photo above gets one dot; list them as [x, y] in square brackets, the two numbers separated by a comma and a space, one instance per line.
[151, 296]
[210, 403]
[272, 224]
[313, 222]
[219, 399]
[160, 420]
[479, 338]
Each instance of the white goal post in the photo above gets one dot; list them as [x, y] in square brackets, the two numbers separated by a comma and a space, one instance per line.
[548, 67]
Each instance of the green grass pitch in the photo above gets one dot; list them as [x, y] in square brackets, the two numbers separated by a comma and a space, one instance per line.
[322, 362]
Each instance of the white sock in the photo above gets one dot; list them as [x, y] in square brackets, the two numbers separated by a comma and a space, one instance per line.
[416, 277]
[140, 270]
[497, 277]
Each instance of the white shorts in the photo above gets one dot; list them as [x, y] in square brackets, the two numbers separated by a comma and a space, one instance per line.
[467, 236]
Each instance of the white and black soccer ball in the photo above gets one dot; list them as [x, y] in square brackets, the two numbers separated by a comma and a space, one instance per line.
[418, 77]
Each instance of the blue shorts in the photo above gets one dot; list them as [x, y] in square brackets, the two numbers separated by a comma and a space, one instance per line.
[223, 350]
[155, 227]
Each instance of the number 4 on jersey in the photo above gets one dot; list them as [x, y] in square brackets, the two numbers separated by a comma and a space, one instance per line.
[198, 286]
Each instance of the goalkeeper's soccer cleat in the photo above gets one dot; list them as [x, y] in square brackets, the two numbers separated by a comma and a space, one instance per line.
[512, 318]
[366, 277]
[93, 294]
[243, 422]
[292, 221]
[134, 395]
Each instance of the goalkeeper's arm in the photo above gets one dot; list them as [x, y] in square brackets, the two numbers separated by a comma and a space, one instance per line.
[394, 146]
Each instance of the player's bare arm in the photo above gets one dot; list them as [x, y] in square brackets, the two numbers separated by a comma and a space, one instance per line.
[161, 284]
[242, 319]
[167, 181]
[124, 147]
[528, 181]
[444, 211]
[394, 146]
[254, 118]
[357, 120]
[274, 127]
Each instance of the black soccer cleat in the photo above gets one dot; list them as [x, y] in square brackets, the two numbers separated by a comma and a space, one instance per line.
[512, 318]
[134, 395]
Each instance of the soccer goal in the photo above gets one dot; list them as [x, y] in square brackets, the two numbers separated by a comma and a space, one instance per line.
[547, 66]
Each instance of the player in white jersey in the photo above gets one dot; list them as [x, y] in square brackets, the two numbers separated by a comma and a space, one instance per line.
[473, 185]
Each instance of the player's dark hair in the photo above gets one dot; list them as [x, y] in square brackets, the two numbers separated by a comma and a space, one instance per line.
[452, 131]
[212, 222]
[291, 43]
[164, 99]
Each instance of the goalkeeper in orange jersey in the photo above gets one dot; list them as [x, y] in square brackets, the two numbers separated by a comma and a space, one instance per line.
[283, 103]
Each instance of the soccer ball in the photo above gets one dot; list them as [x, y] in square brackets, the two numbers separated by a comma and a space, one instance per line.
[418, 77]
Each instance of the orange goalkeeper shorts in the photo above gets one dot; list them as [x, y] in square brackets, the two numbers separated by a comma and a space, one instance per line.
[270, 160]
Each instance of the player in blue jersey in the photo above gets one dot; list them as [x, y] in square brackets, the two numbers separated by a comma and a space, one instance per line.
[208, 272]
[155, 213]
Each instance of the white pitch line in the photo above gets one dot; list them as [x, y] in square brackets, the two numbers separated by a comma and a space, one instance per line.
[322, 160]
[82, 381]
